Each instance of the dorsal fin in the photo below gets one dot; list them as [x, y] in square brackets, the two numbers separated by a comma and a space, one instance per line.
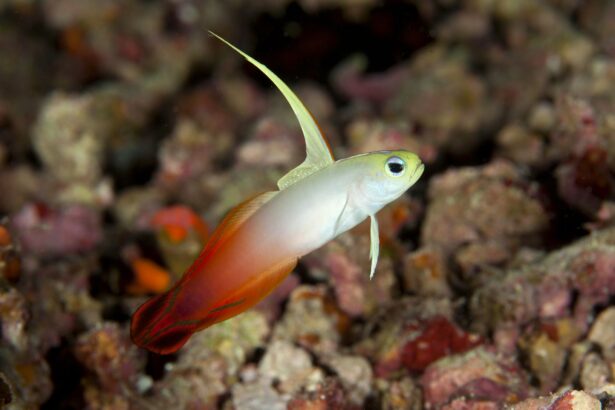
[318, 152]
[235, 218]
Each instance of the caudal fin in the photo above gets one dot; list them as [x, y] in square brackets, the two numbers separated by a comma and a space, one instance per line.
[155, 327]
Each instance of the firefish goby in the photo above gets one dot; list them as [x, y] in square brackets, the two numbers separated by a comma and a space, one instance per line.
[259, 241]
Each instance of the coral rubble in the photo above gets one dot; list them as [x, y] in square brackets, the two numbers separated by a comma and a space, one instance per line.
[127, 132]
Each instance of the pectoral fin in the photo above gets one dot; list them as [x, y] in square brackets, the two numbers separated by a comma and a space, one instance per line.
[374, 249]
[318, 152]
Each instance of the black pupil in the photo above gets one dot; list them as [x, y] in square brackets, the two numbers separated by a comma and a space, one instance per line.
[396, 167]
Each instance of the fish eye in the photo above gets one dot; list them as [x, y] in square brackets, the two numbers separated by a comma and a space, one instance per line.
[395, 166]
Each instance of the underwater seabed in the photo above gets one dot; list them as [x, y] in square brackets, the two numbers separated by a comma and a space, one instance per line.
[127, 132]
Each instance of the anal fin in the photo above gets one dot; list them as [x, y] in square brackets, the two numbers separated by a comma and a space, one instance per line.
[249, 294]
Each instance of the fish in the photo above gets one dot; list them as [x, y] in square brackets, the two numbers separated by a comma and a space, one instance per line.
[258, 243]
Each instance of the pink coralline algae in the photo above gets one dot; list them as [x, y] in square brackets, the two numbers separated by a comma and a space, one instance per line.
[482, 215]
[436, 338]
[59, 298]
[443, 98]
[544, 290]
[46, 230]
[585, 177]
[115, 363]
[397, 329]
[272, 144]
[479, 373]
[185, 158]
[349, 80]
[345, 261]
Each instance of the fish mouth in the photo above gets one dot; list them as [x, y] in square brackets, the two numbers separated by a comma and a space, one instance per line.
[418, 171]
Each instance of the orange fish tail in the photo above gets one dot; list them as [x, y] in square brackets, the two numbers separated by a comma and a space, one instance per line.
[207, 295]
[156, 327]
[164, 323]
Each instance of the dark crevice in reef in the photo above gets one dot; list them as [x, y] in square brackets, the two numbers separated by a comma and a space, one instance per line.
[297, 45]
[66, 374]
[567, 224]
[156, 363]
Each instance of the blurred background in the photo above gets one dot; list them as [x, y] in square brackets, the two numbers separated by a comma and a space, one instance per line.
[127, 132]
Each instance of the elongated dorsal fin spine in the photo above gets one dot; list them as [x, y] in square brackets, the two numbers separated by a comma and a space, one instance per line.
[318, 153]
